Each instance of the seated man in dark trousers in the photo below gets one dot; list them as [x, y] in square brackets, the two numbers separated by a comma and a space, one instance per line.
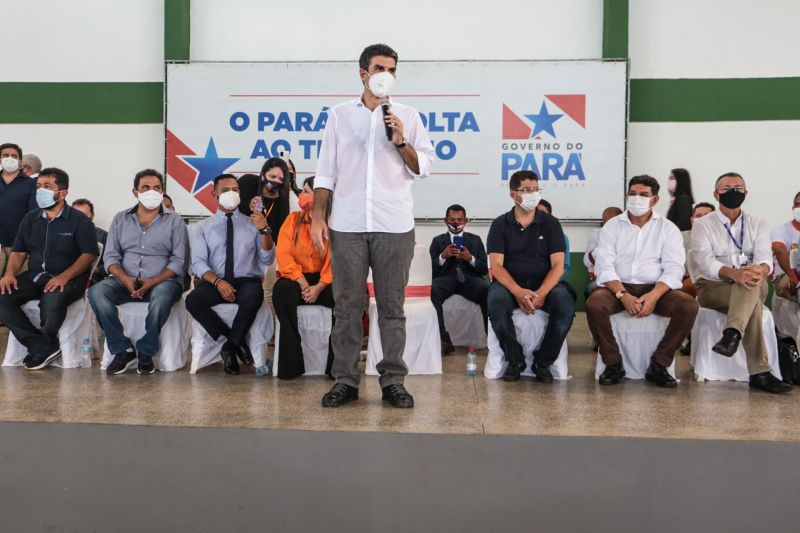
[526, 252]
[457, 269]
[61, 244]
[230, 253]
[639, 265]
[146, 255]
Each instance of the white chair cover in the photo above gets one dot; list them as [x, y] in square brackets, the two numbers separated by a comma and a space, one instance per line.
[314, 323]
[174, 338]
[786, 314]
[423, 351]
[637, 339]
[711, 366]
[77, 326]
[464, 322]
[421, 272]
[530, 332]
[205, 350]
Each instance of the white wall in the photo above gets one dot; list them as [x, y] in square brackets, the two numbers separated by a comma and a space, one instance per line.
[417, 29]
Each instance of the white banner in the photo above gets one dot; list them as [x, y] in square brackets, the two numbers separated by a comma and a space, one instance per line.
[565, 120]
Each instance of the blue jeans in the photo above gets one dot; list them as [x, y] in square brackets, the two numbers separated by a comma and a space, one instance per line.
[559, 305]
[104, 298]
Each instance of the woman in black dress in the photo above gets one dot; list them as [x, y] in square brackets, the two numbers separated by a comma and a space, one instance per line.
[680, 188]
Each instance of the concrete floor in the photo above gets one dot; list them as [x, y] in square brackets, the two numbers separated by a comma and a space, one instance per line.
[451, 403]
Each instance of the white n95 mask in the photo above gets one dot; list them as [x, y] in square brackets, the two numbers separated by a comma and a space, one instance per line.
[229, 200]
[381, 84]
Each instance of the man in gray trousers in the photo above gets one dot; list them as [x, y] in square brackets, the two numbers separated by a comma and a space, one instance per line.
[365, 179]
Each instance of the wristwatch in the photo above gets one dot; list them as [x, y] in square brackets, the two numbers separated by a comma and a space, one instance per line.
[401, 145]
[265, 231]
[620, 293]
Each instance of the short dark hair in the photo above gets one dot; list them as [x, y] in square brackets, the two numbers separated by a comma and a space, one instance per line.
[703, 204]
[375, 50]
[146, 172]
[84, 201]
[547, 206]
[647, 181]
[455, 207]
[309, 181]
[273, 162]
[61, 177]
[796, 195]
[11, 145]
[519, 176]
[218, 179]
[728, 175]
[168, 197]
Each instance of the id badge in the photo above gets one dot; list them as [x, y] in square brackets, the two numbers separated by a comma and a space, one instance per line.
[743, 260]
[739, 260]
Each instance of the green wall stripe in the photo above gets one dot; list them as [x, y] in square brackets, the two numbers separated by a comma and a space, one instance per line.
[82, 103]
[615, 29]
[177, 30]
[712, 100]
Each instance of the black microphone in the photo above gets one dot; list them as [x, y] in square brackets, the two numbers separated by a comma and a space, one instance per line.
[385, 109]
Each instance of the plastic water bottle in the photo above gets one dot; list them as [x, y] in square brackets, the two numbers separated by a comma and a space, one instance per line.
[265, 370]
[472, 362]
[86, 350]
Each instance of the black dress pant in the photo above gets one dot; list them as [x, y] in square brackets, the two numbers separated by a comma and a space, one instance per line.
[249, 297]
[286, 296]
[52, 311]
[473, 288]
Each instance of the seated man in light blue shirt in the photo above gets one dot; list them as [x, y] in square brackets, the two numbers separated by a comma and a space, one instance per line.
[146, 255]
[230, 253]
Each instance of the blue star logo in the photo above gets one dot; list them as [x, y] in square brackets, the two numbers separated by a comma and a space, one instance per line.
[209, 166]
[543, 122]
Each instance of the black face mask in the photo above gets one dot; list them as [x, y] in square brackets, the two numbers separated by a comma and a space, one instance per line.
[272, 186]
[731, 198]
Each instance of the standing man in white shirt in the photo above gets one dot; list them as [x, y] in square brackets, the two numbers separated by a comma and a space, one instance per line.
[639, 261]
[732, 257]
[365, 179]
[786, 239]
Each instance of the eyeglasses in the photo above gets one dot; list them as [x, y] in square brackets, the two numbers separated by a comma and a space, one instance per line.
[528, 190]
[737, 188]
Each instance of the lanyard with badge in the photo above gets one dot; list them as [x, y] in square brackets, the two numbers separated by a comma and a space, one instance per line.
[739, 260]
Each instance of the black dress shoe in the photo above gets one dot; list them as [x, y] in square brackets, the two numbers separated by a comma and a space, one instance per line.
[397, 396]
[659, 375]
[340, 394]
[245, 356]
[769, 383]
[729, 343]
[447, 348]
[542, 373]
[229, 362]
[513, 371]
[686, 349]
[612, 375]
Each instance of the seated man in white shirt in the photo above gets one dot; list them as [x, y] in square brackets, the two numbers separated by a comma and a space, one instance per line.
[594, 238]
[785, 239]
[639, 261]
[731, 255]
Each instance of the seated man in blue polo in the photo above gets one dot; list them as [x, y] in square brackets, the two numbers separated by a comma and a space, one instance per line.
[526, 253]
[60, 242]
[146, 255]
[230, 254]
[459, 266]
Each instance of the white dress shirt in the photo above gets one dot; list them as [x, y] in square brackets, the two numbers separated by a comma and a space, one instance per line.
[630, 254]
[453, 240]
[593, 240]
[370, 182]
[713, 248]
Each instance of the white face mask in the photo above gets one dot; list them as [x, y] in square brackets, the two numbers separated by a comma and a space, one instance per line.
[10, 164]
[150, 199]
[638, 205]
[530, 201]
[796, 212]
[381, 84]
[229, 200]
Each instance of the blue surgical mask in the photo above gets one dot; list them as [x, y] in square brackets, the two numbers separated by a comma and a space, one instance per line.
[45, 198]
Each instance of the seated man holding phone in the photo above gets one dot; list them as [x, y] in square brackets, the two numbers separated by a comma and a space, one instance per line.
[459, 266]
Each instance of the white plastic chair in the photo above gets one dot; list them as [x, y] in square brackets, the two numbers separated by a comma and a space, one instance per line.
[464, 322]
[78, 325]
[530, 332]
[206, 351]
[314, 323]
[423, 352]
[637, 339]
[712, 366]
[174, 337]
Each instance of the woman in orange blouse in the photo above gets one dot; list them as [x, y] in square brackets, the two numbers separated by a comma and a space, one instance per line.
[305, 279]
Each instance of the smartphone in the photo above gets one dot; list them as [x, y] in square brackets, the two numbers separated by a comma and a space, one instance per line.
[458, 241]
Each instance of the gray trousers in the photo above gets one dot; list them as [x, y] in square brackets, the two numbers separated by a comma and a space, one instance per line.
[352, 255]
